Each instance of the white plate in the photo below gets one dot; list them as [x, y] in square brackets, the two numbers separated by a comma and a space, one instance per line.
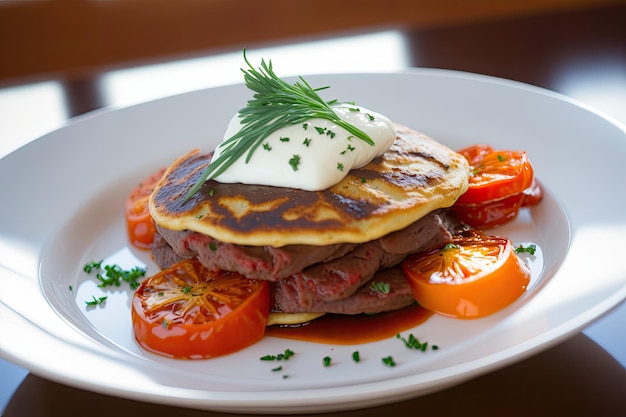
[62, 206]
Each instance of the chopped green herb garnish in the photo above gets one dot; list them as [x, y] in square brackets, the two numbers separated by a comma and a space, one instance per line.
[339, 166]
[88, 267]
[95, 301]
[501, 158]
[381, 287]
[327, 361]
[284, 139]
[288, 353]
[370, 116]
[389, 361]
[187, 289]
[413, 343]
[320, 130]
[294, 162]
[277, 369]
[356, 356]
[275, 104]
[212, 247]
[363, 180]
[449, 246]
[267, 146]
[307, 142]
[114, 275]
[531, 249]
[349, 148]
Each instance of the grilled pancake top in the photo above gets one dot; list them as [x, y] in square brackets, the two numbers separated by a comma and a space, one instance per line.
[416, 176]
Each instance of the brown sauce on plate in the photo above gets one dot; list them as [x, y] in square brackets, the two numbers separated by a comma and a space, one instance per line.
[347, 330]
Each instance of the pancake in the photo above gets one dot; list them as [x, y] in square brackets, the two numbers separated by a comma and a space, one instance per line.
[416, 176]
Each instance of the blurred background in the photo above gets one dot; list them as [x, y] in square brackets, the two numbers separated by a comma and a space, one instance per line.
[63, 58]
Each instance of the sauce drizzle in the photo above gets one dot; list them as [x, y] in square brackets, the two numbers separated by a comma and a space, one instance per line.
[347, 330]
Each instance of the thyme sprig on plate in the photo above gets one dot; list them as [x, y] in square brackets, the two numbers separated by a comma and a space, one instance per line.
[275, 104]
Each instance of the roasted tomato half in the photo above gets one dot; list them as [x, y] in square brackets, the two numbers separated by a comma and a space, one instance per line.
[188, 311]
[139, 223]
[473, 276]
[500, 183]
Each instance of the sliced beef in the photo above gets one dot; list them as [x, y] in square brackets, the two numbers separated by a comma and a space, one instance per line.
[366, 300]
[272, 264]
[307, 278]
[255, 262]
[163, 254]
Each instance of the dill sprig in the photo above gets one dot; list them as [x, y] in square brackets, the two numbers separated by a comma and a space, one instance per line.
[275, 104]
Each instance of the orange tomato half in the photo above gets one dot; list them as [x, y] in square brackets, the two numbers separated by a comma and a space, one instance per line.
[139, 223]
[473, 276]
[189, 312]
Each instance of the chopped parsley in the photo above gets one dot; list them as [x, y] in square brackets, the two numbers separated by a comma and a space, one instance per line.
[388, 360]
[413, 343]
[288, 353]
[381, 287]
[294, 162]
[95, 301]
[88, 267]
[114, 275]
[327, 361]
[531, 249]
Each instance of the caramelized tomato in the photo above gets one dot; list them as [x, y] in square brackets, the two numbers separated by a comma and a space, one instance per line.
[187, 311]
[139, 223]
[500, 183]
[473, 276]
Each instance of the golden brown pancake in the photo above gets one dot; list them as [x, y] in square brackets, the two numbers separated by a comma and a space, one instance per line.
[416, 176]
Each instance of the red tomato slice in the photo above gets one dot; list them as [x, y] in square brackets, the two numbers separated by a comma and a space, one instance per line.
[490, 214]
[495, 174]
[533, 194]
[474, 276]
[187, 311]
[139, 223]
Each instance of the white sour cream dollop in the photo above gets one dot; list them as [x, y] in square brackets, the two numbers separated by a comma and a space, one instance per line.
[312, 156]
